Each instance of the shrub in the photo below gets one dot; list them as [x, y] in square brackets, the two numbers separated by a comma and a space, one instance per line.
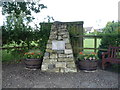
[108, 39]
[111, 36]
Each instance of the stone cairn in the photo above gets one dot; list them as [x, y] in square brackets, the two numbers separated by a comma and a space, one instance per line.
[60, 60]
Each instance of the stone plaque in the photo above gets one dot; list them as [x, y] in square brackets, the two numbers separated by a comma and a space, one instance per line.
[51, 66]
[58, 45]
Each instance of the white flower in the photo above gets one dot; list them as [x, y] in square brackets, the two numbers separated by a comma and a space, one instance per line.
[90, 58]
[85, 58]
[93, 57]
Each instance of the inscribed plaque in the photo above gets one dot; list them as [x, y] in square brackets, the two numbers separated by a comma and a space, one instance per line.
[58, 45]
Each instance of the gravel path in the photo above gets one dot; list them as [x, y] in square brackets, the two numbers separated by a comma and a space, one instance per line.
[16, 76]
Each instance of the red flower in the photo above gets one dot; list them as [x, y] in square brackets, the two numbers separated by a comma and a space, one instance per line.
[93, 53]
[80, 53]
[26, 53]
[32, 53]
[39, 53]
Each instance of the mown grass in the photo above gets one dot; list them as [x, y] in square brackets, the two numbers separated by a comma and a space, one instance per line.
[8, 56]
[89, 43]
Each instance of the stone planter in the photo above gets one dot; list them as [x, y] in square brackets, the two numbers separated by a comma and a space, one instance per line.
[88, 65]
[33, 63]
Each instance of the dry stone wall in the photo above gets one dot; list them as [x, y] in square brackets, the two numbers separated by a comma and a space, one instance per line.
[59, 54]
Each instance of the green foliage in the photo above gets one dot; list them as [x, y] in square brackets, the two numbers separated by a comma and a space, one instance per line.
[49, 18]
[44, 34]
[18, 7]
[13, 55]
[38, 39]
[16, 28]
[33, 54]
[111, 36]
[110, 39]
[87, 56]
[111, 27]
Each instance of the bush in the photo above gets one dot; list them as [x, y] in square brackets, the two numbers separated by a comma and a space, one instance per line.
[108, 39]
[111, 36]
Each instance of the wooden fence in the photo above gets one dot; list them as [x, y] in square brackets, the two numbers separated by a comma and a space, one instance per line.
[14, 47]
[95, 43]
[78, 43]
[77, 38]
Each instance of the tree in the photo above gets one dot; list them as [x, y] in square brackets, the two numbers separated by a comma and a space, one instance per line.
[111, 36]
[18, 16]
[111, 27]
[18, 7]
[49, 18]
[111, 31]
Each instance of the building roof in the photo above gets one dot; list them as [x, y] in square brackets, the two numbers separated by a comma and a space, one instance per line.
[88, 28]
[99, 30]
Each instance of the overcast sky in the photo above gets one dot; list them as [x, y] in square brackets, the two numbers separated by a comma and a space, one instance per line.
[95, 13]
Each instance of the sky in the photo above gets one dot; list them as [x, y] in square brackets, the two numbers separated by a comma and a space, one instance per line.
[94, 13]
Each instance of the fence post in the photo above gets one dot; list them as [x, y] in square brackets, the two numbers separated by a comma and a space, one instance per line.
[95, 43]
[80, 39]
[78, 42]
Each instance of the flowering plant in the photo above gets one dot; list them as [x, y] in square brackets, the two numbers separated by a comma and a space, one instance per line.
[33, 55]
[87, 56]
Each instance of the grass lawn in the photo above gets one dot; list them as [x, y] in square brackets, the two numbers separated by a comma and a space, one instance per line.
[8, 56]
[89, 43]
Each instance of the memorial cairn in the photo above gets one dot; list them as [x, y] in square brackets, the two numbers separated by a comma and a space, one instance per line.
[59, 55]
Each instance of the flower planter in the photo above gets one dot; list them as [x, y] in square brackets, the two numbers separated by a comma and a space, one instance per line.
[88, 64]
[33, 63]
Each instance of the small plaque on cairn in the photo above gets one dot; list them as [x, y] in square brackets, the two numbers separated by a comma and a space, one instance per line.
[58, 45]
[59, 55]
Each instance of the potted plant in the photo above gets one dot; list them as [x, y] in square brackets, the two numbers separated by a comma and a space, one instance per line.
[33, 59]
[88, 61]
